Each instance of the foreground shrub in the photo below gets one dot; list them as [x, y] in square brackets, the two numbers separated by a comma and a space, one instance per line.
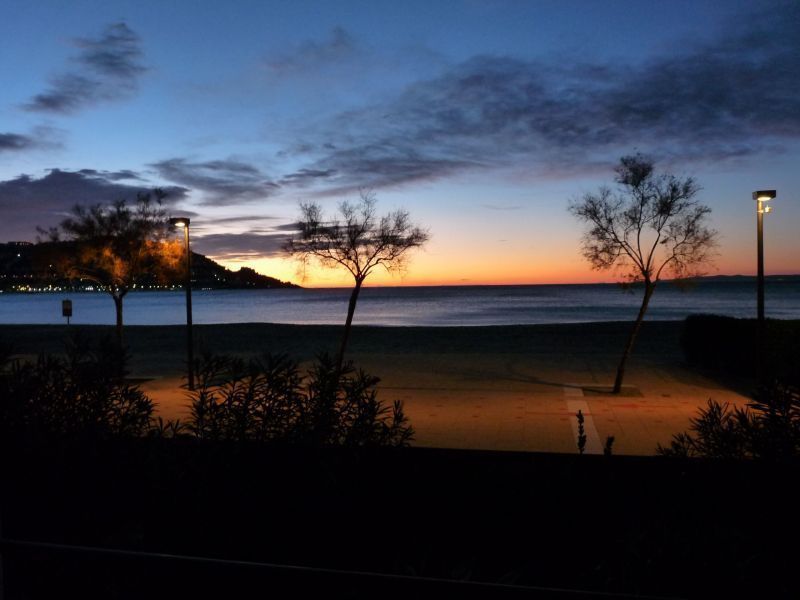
[728, 345]
[769, 427]
[268, 400]
[83, 394]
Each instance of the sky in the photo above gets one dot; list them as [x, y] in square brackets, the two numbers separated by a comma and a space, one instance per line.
[482, 118]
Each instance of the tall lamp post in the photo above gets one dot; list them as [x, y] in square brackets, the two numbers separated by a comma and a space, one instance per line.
[183, 222]
[761, 197]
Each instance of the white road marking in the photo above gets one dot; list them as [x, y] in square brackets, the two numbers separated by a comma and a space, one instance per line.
[573, 389]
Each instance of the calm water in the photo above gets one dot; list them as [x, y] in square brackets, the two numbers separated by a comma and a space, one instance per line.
[449, 306]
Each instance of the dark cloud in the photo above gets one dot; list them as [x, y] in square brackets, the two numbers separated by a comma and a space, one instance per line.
[27, 202]
[708, 102]
[125, 174]
[388, 164]
[107, 68]
[314, 54]
[253, 223]
[305, 176]
[38, 138]
[262, 237]
[242, 219]
[222, 182]
[14, 142]
[251, 244]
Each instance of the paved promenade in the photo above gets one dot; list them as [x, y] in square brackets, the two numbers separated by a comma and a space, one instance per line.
[501, 388]
[524, 396]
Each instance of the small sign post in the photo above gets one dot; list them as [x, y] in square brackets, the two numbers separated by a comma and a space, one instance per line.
[66, 309]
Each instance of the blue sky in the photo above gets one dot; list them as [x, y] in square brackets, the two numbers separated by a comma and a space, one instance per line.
[482, 118]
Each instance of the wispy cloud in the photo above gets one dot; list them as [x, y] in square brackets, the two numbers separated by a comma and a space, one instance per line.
[714, 101]
[306, 176]
[28, 202]
[222, 182]
[123, 175]
[106, 68]
[314, 54]
[262, 242]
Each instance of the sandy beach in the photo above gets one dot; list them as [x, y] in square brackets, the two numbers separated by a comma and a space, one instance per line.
[500, 388]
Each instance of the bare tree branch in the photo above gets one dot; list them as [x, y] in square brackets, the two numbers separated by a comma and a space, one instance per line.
[650, 227]
[355, 241]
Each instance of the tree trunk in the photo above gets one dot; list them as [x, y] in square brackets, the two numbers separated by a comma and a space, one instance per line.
[649, 288]
[351, 309]
[118, 306]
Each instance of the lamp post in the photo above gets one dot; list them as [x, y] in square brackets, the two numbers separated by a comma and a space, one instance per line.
[761, 197]
[183, 222]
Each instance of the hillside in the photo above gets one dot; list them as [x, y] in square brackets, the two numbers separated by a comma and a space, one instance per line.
[23, 269]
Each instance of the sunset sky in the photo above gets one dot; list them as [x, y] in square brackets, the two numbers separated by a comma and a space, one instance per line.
[481, 118]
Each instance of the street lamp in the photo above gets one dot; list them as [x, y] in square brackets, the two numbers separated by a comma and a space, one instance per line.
[183, 222]
[761, 197]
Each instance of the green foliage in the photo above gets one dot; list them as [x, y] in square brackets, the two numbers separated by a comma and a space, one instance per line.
[268, 400]
[768, 428]
[83, 394]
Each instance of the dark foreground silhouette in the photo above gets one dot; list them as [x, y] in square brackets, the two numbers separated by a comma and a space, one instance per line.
[623, 524]
[366, 521]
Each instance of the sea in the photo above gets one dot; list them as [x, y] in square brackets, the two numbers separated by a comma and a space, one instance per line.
[412, 306]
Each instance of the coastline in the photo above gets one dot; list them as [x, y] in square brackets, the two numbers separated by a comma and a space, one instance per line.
[511, 387]
[472, 306]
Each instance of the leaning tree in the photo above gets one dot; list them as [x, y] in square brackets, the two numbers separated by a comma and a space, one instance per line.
[116, 246]
[650, 227]
[358, 241]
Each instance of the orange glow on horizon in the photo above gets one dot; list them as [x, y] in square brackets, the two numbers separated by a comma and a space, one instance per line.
[437, 273]
[431, 273]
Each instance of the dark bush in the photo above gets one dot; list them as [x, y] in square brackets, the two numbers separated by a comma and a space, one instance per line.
[268, 400]
[83, 394]
[728, 345]
[720, 343]
[768, 428]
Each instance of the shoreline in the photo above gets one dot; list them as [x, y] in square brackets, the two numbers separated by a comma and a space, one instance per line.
[736, 279]
[306, 339]
[499, 387]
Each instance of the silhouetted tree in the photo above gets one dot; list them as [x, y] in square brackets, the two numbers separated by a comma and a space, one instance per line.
[358, 242]
[651, 226]
[114, 246]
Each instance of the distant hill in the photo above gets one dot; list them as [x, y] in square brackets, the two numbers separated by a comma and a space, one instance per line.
[207, 273]
[21, 270]
[745, 278]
